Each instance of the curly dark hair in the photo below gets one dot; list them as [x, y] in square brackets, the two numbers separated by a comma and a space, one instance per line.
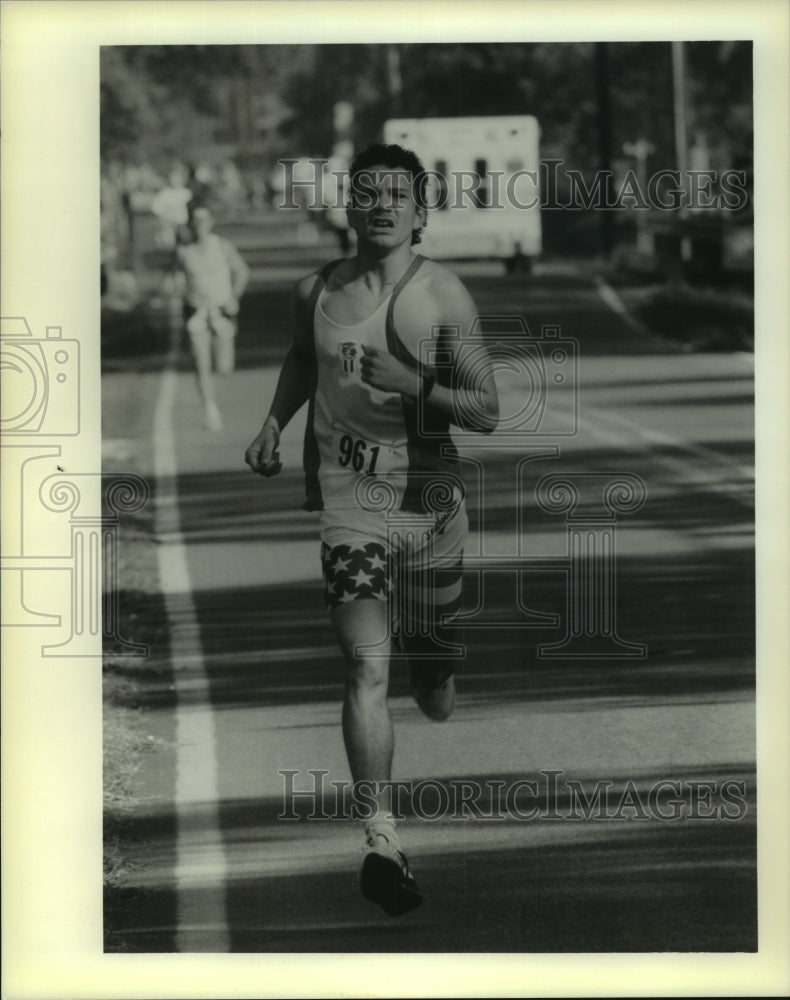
[398, 158]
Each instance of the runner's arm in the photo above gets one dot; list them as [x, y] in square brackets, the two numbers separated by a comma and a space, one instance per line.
[239, 276]
[239, 271]
[470, 401]
[293, 389]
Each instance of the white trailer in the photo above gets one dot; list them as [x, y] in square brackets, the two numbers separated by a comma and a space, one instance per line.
[485, 185]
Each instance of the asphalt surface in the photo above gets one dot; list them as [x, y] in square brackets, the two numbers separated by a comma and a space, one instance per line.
[244, 680]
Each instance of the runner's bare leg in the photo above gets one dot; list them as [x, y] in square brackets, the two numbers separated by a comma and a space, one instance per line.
[225, 354]
[201, 352]
[367, 726]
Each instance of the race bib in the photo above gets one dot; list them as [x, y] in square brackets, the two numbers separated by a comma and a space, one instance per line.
[364, 458]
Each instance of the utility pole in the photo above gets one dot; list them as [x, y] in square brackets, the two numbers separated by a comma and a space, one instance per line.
[394, 79]
[604, 139]
[681, 133]
[679, 105]
[640, 150]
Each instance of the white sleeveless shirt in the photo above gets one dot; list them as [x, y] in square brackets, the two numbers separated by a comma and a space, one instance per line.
[360, 430]
[361, 442]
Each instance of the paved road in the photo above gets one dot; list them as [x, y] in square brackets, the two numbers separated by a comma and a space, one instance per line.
[249, 683]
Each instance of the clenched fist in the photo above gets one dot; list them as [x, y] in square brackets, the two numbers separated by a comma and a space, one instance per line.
[262, 455]
[383, 371]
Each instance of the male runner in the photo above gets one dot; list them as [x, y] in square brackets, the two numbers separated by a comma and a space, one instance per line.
[382, 469]
[216, 277]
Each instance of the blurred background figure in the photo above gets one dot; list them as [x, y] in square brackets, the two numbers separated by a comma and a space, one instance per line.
[202, 182]
[170, 207]
[215, 279]
[111, 216]
[232, 190]
[257, 192]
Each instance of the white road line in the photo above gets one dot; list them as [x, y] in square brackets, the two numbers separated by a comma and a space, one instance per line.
[201, 915]
[616, 304]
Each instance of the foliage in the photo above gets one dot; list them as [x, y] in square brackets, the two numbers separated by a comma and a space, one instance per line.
[159, 101]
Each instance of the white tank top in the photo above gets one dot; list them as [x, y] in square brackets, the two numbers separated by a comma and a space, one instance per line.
[360, 441]
[360, 430]
[207, 270]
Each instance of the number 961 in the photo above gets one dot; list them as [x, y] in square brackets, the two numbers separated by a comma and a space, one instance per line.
[356, 454]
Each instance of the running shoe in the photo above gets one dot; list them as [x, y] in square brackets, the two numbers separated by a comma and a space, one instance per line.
[212, 418]
[385, 879]
[436, 703]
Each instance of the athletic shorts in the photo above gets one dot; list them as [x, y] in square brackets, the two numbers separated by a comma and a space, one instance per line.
[202, 322]
[414, 561]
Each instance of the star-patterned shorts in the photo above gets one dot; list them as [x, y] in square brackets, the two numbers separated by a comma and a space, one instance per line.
[361, 564]
[355, 571]
[418, 571]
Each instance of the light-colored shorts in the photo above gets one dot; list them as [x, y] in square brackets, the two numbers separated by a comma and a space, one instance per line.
[396, 556]
[203, 322]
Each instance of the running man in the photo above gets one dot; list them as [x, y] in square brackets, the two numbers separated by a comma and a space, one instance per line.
[216, 277]
[382, 469]
[170, 206]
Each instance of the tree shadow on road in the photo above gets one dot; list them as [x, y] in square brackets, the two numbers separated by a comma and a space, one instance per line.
[582, 884]
[274, 645]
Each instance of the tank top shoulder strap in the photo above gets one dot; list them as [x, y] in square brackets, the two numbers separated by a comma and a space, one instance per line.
[394, 343]
[303, 316]
[320, 284]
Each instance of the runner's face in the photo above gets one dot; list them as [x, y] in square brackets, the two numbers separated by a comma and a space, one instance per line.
[383, 212]
[201, 222]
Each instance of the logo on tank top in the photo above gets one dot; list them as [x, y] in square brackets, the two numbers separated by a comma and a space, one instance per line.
[348, 354]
